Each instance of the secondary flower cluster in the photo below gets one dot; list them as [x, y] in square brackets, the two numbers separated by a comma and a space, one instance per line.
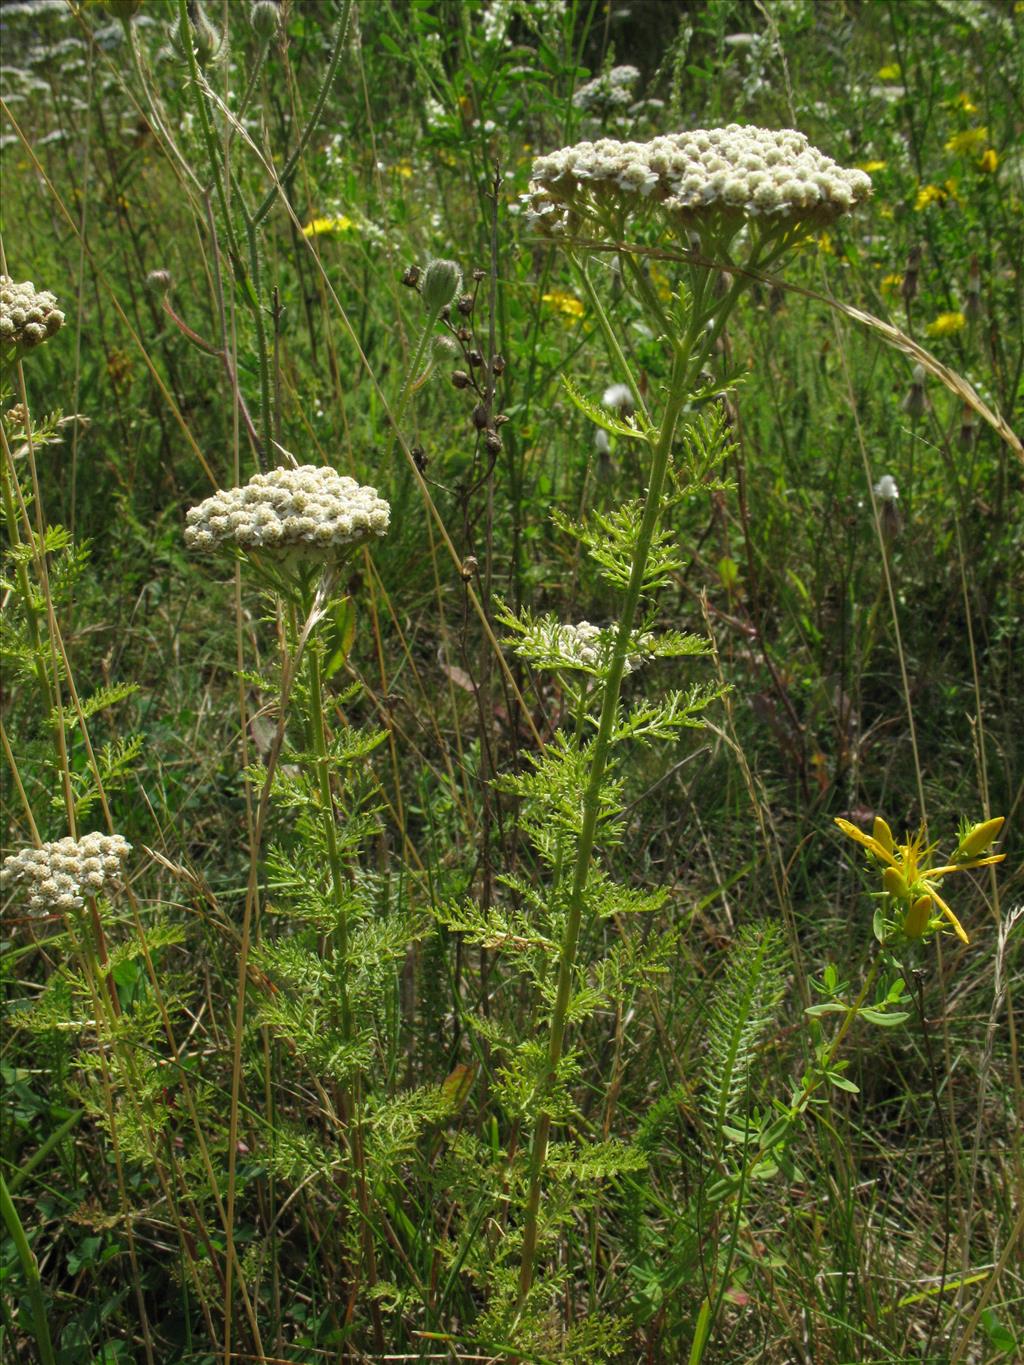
[732, 172]
[588, 646]
[312, 510]
[59, 875]
[611, 90]
[28, 316]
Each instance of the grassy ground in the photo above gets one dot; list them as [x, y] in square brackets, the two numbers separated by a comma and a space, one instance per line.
[277, 1095]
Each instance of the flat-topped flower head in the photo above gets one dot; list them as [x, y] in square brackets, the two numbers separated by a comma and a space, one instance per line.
[59, 875]
[311, 514]
[707, 180]
[28, 316]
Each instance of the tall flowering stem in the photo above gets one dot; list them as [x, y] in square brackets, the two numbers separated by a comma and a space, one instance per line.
[755, 187]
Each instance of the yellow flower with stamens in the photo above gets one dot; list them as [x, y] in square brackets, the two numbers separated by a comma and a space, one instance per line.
[989, 160]
[564, 303]
[318, 226]
[946, 324]
[908, 878]
[968, 141]
[870, 167]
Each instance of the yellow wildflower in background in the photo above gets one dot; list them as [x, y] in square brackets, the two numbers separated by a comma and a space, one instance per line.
[894, 281]
[911, 882]
[404, 169]
[892, 72]
[318, 226]
[946, 324]
[989, 160]
[928, 195]
[968, 141]
[963, 101]
[565, 303]
[871, 166]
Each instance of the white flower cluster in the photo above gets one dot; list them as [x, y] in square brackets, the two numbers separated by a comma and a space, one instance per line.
[312, 510]
[588, 646]
[27, 316]
[59, 875]
[731, 172]
[611, 90]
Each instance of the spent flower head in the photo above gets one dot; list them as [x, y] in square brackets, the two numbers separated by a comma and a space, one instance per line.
[28, 316]
[911, 880]
[58, 876]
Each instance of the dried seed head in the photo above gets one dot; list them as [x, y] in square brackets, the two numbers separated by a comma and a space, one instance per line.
[460, 379]
[411, 276]
[493, 443]
[465, 304]
[498, 364]
[481, 417]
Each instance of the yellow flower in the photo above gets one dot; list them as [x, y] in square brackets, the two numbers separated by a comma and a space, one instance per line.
[869, 167]
[989, 160]
[892, 72]
[968, 141]
[825, 245]
[318, 226]
[928, 195]
[564, 303]
[404, 169]
[660, 281]
[946, 324]
[963, 101]
[892, 281]
[907, 877]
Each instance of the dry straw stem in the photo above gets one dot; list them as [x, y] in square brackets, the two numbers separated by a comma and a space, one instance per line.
[953, 381]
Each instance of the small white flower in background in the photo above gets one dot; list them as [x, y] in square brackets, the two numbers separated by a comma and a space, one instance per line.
[28, 316]
[601, 443]
[611, 90]
[617, 396]
[886, 489]
[312, 511]
[59, 875]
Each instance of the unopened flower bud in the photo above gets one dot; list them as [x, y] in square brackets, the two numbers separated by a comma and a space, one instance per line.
[909, 287]
[208, 40]
[441, 282]
[968, 423]
[480, 417]
[158, 281]
[972, 301]
[895, 883]
[916, 404]
[882, 834]
[979, 839]
[917, 917]
[265, 18]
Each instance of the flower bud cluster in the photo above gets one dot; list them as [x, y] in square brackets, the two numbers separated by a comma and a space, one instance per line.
[59, 875]
[588, 646]
[312, 509]
[27, 316]
[731, 172]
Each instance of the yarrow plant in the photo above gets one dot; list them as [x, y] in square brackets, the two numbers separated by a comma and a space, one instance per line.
[717, 186]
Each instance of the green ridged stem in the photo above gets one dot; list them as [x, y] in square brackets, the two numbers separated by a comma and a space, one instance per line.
[30, 1269]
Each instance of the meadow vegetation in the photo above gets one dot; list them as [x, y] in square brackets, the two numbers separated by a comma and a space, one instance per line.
[513, 735]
